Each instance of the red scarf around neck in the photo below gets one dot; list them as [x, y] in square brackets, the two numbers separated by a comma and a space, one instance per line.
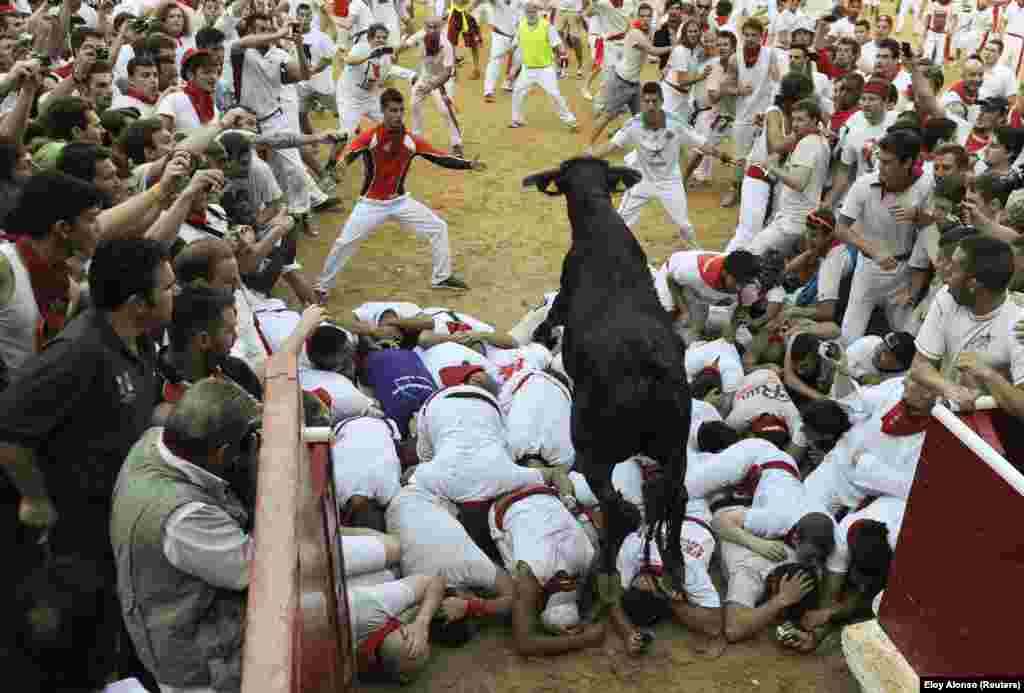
[960, 89]
[750, 55]
[196, 218]
[202, 101]
[141, 96]
[50, 288]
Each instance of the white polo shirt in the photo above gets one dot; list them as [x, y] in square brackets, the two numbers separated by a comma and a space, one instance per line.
[869, 203]
[762, 392]
[889, 511]
[658, 150]
[365, 460]
[718, 354]
[859, 141]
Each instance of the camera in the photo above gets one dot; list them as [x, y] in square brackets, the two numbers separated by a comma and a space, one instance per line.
[102, 54]
[830, 351]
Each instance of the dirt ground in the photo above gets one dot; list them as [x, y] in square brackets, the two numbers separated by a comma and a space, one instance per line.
[508, 245]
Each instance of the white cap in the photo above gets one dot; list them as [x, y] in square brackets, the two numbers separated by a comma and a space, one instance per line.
[561, 612]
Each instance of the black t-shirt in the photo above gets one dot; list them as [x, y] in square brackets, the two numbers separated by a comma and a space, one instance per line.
[662, 38]
[81, 404]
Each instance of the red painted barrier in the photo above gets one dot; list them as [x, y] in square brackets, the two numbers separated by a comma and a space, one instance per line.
[297, 636]
[951, 605]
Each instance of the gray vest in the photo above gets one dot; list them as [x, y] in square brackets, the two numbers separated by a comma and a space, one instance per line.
[186, 631]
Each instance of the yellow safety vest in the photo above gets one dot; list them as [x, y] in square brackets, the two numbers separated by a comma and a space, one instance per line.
[537, 50]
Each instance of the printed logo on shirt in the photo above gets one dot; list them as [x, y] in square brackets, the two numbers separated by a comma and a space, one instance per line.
[693, 549]
[126, 388]
[775, 391]
[412, 388]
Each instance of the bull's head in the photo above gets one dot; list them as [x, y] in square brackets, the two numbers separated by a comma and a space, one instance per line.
[584, 174]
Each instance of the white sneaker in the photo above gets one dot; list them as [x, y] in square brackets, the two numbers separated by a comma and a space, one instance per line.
[586, 94]
[507, 86]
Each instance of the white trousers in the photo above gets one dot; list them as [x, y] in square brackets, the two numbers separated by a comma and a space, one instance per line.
[934, 47]
[368, 214]
[905, 9]
[546, 79]
[672, 197]
[288, 167]
[755, 195]
[780, 234]
[873, 287]
[352, 108]
[501, 46]
[419, 96]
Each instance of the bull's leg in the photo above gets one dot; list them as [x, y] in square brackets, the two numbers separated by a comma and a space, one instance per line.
[665, 501]
[557, 315]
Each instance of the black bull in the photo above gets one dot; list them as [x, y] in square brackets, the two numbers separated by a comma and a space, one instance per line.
[626, 361]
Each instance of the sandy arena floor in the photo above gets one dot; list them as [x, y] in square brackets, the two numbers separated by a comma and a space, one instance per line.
[508, 245]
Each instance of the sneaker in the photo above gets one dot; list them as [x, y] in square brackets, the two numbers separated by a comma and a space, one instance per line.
[729, 198]
[579, 73]
[489, 98]
[507, 86]
[457, 151]
[515, 124]
[331, 204]
[452, 283]
[587, 95]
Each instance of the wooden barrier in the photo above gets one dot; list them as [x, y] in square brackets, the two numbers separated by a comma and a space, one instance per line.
[297, 635]
[951, 605]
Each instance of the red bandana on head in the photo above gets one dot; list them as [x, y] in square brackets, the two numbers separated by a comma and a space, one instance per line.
[710, 268]
[900, 422]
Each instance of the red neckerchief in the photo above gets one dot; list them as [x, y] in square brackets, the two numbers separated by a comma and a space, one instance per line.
[960, 89]
[368, 655]
[324, 396]
[1015, 120]
[173, 392]
[455, 327]
[652, 569]
[341, 8]
[839, 118]
[898, 422]
[64, 71]
[141, 96]
[50, 289]
[191, 4]
[976, 142]
[792, 538]
[720, 20]
[710, 268]
[201, 100]
[617, 3]
[750, 55]
[854, 528]
[196, 218]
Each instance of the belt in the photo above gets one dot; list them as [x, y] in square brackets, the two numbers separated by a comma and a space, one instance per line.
[625, 81]
[474, 395]
[502, 506]
[277, 111]
[782, 466]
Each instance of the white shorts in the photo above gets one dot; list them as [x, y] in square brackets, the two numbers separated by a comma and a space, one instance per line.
[363, 554]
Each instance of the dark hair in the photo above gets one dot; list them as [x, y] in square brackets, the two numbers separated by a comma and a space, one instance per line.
[48, 197]
[936, 130]
[904, 350]
[742, 265]
[959, 153]
[139, 135]
[826, 416]
[79, 159]
[122, 268]
[165, 11]
[891, 45]
[870, 553]
[208, 37]
[651, 88]
[142, 60]
[795, 612]
[329, 348]
[390, 95]
[1011, 138]
[994, 104]
[804, 344]
[644, 608]
[235, 144]
[989, 260]
[644, 6]
[852, 43]
[197, 309]
[715, 436]
[375, 28]
[856, 79]
[904, 144]
[100, 67]
[794, 87]
[753, 23]
[724, 8]
[197, 260]
[818, 530]
[728, 34]
[79, 35]
[704, 382]
[65, 113]
[808, 106]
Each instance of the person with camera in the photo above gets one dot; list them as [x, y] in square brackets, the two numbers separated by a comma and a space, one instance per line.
[181, 537]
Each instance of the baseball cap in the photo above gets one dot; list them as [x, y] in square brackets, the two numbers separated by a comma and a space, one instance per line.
[458, 375]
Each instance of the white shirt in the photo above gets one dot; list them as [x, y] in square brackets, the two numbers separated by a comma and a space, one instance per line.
[372, 311]
[371, 606]
[860, 356]
[859, 141]
[446, 354]
[437, 65]
[811, 152]
[951, 329]
[866, 203]
[340, 394]
[538, 414]
[365, 461]
[463, 452]
[836, 265]
[609, 20]
[762, 392]
[999, 82]
[178, 106]
[889, 511]
[718, 354]
[125, 101]
[685, 269]
[658, 150]
[261, 80]
[357, 80]
[447, 321]
[509, 362]
[320, 47]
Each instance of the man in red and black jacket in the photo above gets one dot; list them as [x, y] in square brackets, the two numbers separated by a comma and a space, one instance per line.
[387, 152]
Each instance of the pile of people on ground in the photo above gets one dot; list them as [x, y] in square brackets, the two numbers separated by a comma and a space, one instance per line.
[160, 169]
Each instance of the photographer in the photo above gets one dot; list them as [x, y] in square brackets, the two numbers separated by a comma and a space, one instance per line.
[181, 537]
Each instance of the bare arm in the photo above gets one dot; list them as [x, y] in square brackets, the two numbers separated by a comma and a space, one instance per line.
[728, 526]
[699, 618]
[793, 381]
[795, 177]
[846, 234]
[298, 71]
[12, 129]
[527, 604]
[840, 182]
